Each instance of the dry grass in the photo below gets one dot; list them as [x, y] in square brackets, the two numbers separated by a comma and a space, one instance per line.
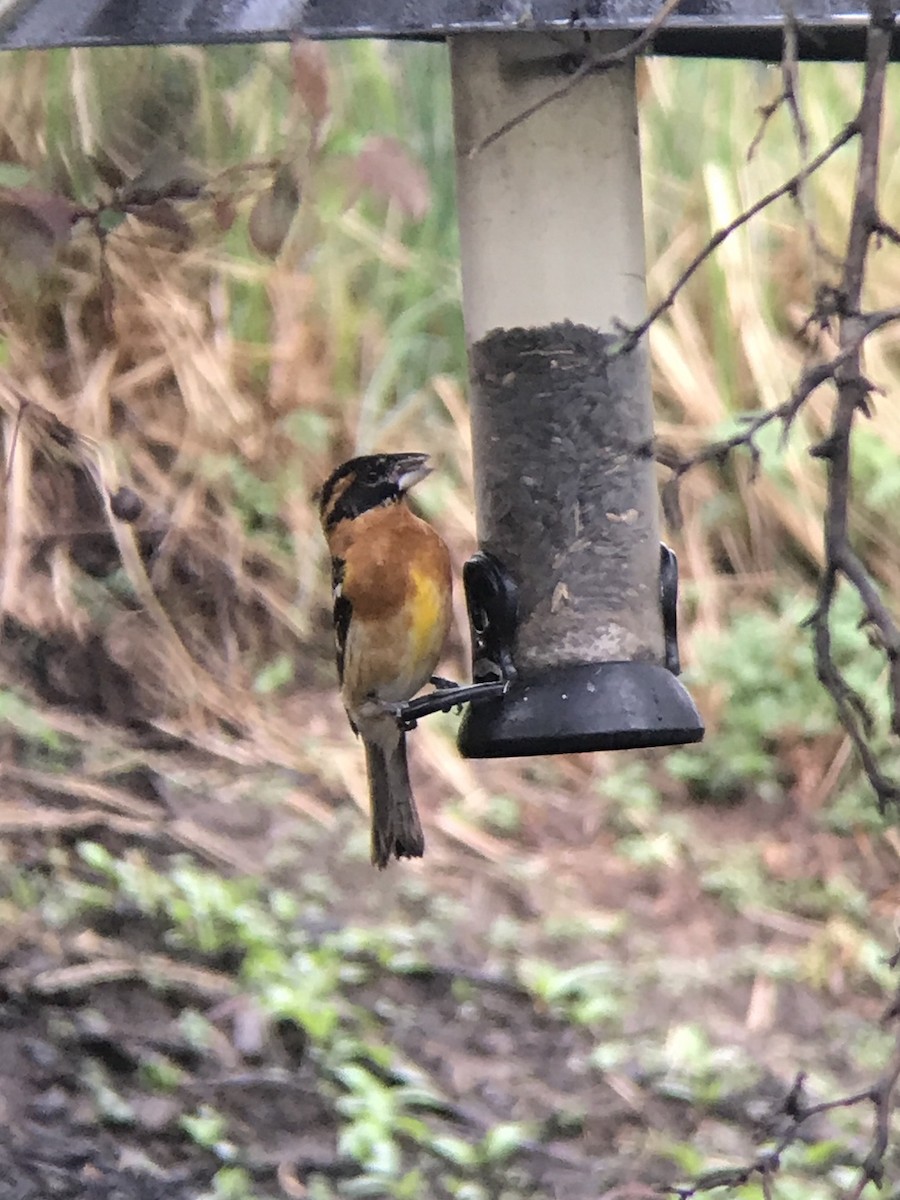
[132, 375]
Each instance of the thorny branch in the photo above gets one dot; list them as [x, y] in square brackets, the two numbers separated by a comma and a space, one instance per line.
[840, 305]
[789, 188]
[785, 413]
[853, 390]
[787, 97]
[794, 1107]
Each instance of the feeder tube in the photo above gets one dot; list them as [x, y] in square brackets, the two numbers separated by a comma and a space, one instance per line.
[552, 261]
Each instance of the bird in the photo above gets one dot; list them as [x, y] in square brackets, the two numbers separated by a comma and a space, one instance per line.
[392, 602]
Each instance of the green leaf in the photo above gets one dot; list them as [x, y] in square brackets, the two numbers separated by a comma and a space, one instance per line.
[504, 1140]
[454, 1150]
[14, 175]
[110, 219]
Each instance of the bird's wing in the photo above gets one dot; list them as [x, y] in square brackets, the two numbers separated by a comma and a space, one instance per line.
[341, 612]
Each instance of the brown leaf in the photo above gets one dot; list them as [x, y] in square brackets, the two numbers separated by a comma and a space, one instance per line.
[166, 175]
[224, 213]
[108, 171]
[273, 213]
[24, 239]
[32, 226]
[309, 67]
[386, 167]
[126, 505]
[56, 213]
[164, 215]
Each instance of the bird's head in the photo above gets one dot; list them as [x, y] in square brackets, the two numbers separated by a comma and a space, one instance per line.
[370, 481]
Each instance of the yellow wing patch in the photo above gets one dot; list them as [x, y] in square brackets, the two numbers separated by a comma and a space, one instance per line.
[429, 615]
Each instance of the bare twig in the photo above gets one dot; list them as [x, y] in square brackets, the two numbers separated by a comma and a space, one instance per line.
[882, 1097]
[788, 96]
[745, 437]
[591, 64]
[768, 1162]
[788, 188]
[853, 390]
[841, 304]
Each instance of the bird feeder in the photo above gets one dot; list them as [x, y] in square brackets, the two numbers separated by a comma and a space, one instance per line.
[572, 598]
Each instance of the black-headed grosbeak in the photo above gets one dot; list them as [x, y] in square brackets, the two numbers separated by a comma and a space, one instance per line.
[392, 589]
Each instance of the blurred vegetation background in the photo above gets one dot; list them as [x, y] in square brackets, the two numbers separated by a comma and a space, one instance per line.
[222, 272]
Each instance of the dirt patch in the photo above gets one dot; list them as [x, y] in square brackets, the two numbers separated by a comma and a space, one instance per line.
[615, 1010]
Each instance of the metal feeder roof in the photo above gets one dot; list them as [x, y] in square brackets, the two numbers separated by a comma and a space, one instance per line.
[829, 29]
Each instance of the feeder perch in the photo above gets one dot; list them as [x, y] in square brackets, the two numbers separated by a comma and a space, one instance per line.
[571, 597]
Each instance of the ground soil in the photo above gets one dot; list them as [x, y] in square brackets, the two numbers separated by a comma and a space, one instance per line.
[85, 1004]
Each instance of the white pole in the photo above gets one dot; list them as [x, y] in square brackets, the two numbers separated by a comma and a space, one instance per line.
[550, 214]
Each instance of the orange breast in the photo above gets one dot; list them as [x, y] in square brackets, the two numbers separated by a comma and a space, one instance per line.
[398, 581]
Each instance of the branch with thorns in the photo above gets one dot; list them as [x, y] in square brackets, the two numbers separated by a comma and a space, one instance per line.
[786, 413]
[765, 1166]
[788, 96]
[880, 1094]
[840, 305]
[767, 1163]
[853, 390]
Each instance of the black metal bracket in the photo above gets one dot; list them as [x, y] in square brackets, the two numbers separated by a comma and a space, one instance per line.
[492, 598]
[492, 601]
[668, 603]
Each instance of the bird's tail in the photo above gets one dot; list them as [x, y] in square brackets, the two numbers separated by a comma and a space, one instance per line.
[396, 830]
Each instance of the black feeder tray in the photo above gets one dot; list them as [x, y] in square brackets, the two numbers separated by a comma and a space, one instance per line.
[572, 599]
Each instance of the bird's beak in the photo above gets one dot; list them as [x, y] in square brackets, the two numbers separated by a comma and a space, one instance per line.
[410, 470]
